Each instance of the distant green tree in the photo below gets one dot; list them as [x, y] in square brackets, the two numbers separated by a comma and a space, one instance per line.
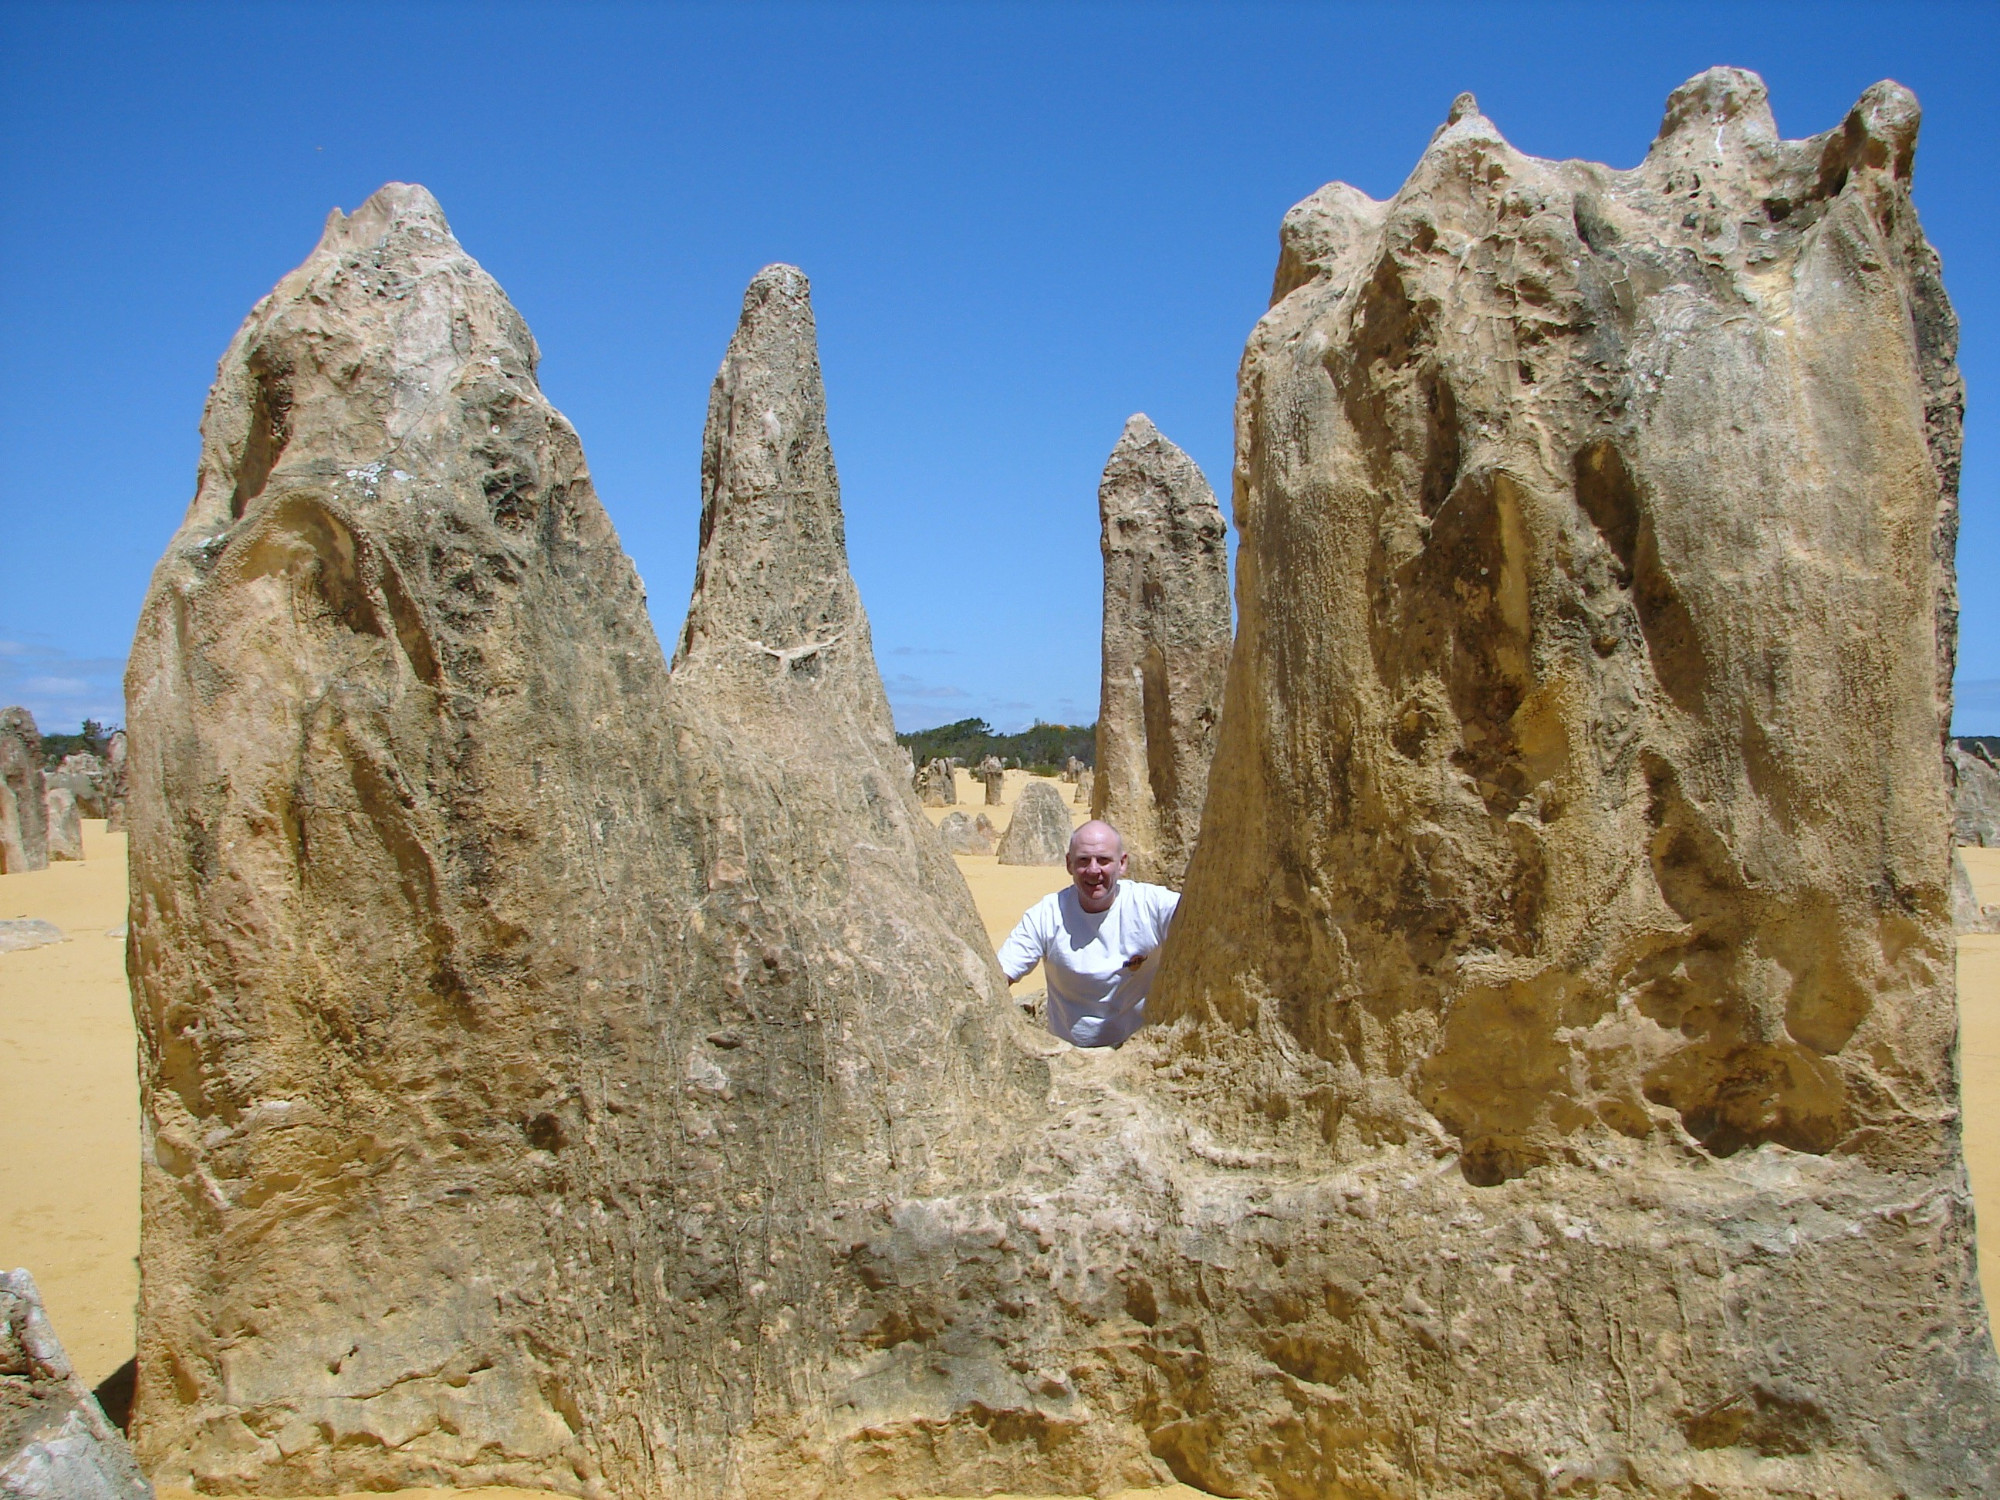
[92, 739]
[1042, 748]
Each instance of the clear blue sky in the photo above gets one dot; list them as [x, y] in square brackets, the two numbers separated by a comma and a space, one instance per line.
[1022, 223]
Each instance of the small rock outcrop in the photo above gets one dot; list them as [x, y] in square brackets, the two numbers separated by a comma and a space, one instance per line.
[24, 826]
[114, 754]
[1086, 787]
[1577, 821]
[1975, 793]
[962, 836]
[994, 777]
[90, 779]
[1072, 769]
[937, 784]
[64, 823]
[1040, 830]
[55, 1441]
[1166, 649]
[17, 933]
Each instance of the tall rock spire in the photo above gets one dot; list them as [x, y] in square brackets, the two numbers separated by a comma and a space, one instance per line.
[1166, 649]
[1579, 810]
[392, 699]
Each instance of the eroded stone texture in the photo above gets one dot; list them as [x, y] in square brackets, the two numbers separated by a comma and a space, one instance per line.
[1578, 822]
[1039, 831]
[395, 715]
[24, 828]
[90, 779]
[64, 823]
[993, 777]
[513, 1016]
[1975, 794]
[937, 786]
[567, 1073]
[961, 835]
[55, 1442]
[1166, 649]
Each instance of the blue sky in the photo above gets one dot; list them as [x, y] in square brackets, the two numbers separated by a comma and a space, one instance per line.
[1023, 223]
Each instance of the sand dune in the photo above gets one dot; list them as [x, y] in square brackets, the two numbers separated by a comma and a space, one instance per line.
[69, 1181]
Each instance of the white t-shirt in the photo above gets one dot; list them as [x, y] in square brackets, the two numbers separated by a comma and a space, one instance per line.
[1094, 999]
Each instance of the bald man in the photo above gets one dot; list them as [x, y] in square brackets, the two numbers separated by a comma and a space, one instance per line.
[1099, 938]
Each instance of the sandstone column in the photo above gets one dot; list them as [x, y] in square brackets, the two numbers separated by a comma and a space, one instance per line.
[1166, 649]
[24, 828]
[398, 869]
[528, 1039]
[1580, 808]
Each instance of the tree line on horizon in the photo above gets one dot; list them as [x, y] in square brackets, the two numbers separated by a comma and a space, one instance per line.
[1041, 749]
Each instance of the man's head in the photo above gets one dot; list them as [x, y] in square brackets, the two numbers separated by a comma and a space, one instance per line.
[1096, 861]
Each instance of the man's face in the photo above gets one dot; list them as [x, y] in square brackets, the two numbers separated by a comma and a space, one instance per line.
[1096, 861]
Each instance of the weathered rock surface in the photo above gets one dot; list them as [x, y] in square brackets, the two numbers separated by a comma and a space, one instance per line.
[24, 829]
[55, 1443]
[937, 786]
[1578, 824]
[1166, 649]
[1086, 787]
[90, 779]
[1975, 794]
[994, 778]
[532, 1042]
[64, 823]
[114, 753]
[567, 1073]
[961, 835]
[1040, 829]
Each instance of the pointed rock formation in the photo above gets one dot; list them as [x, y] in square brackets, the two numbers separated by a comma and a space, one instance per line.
[837, 1046]
[1038, 833]
[55, 1442]
[563, 1074]
[401, 871]
[1166, 649]
[528, 1039]
[1578, 822]
[24, 827]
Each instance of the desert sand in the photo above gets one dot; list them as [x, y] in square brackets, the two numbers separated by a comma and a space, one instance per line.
[69, 1208]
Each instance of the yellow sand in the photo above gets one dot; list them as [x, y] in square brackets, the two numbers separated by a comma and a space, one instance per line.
[69, 1105]
[1979, 1064]
[69, 1135]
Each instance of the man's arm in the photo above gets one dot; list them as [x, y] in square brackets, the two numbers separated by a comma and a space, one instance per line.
[1023, 949]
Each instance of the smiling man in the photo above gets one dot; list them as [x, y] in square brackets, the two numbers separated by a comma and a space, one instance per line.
[1100, 938]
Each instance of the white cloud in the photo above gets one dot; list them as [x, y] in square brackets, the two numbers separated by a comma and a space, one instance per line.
[59, 689]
